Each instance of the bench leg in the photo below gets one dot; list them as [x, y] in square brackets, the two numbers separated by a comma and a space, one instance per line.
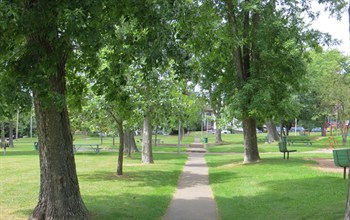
[344, 174]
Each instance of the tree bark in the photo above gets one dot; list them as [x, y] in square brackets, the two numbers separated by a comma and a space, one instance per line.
[17, 119]
[121, 149]
[272, 134]
[2, 134]
[129, 142]
[147, 155]
[59, 196]
[11, 134]
[119, 121]
[218, 137]
[251, 152]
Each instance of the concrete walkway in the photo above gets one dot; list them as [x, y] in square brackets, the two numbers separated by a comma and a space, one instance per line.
[193, 199]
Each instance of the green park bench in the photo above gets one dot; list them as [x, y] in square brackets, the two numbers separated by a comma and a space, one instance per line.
[341, 158]
[292, 141]
[95, 147]
[76, 147]
[4, 145]
[283, 149]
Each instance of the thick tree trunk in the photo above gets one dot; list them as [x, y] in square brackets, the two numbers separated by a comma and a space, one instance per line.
[133, 142]
[127, 148]
[218, 137]
[59, 196]
[251, 152]
[147, 155]
[11, 134]
[121, 149]
[272, 134]
[129, 142]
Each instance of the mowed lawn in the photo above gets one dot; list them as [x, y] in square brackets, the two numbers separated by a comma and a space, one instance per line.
[276, 189]
[143, 192]
[272, 189]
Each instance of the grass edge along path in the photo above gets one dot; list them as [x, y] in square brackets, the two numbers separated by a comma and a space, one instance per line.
[275, 189]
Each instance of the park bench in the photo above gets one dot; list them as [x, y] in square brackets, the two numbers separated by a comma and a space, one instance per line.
[76, 147]
[283, 149]
[4, 145]
[341, 158]
[292, 141]
[156, 141]
[95, 147]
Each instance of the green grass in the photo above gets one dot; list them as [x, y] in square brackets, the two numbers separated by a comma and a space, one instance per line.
[144, 191]
[233, 143]
[271, 189]
[275, 189]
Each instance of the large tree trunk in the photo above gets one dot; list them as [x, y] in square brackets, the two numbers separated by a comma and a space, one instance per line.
[272, 134]
[59, 196]
[129, 142]
[147, 155]
[11, 134]
[218, 137]
[251, 153]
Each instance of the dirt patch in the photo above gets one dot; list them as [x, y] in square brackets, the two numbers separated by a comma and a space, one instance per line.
[326, 165]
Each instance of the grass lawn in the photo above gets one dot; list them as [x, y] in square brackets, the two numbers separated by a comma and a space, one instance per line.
[271, 189]
[144, 191]
[233, 143]
[275, 189]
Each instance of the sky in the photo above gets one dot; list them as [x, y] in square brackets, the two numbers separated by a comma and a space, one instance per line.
[338, 29]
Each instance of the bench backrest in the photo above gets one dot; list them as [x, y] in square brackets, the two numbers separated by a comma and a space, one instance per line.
[282, 146]
[341, 157]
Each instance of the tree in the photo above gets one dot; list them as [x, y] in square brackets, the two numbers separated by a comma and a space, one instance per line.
[260, 34]
[39, 40]
[329, 83]
[155, 57]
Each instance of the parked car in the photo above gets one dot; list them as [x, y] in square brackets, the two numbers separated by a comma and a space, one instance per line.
[162, 133]
[212, 131]
[258, 131]
[225, 131]
[297, 129]
[279, 129]
[318, 129]
[238, 130]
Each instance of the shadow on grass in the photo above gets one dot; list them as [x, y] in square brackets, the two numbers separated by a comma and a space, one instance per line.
[12, 153]
[126, 206]
[276, 189]
[153, 178]
[309, 198]
[234, 160]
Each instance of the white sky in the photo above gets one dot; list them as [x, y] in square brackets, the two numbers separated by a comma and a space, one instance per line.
[338, 29]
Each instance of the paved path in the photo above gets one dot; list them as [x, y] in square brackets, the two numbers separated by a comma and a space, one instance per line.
[193, 199]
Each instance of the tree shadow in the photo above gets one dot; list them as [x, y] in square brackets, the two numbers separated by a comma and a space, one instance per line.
[293, 194]
[309, 198]
[126, 206]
